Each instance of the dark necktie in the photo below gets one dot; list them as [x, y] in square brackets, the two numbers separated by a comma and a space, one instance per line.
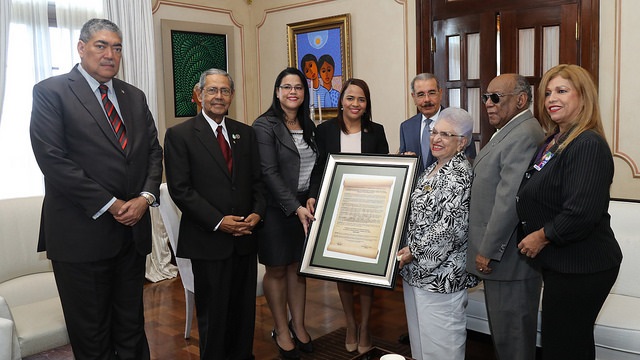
[224, 146]
[116, 123]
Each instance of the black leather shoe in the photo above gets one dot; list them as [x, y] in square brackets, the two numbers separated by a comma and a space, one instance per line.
[304, 347]
[286, 354]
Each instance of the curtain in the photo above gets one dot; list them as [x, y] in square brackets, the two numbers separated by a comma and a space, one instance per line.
[28, 61]
[138, 52]
[70, 16]
[5, 20]
[30, 25]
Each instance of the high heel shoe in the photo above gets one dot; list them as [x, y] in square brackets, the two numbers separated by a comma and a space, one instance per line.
[364, 348]
[351, 347]
[304, 347]
[286, 354]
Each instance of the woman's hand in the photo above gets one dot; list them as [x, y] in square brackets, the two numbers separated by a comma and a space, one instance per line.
[404, 256]
[305, 217]
[311, 205]
[533, 243]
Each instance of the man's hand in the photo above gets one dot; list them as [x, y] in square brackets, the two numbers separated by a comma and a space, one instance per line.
[130, 212]
[252, 220]
[482, 264]
[239, 225]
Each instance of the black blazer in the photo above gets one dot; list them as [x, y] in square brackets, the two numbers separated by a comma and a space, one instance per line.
[202, 187]
[373, 141]
[569, 197]
[84, 167]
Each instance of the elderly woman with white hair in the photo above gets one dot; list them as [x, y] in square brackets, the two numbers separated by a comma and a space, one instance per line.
[432, 264]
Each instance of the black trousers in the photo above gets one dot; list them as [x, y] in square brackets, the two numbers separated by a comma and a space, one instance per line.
[570, 306]
[225, 297]
[103, 306]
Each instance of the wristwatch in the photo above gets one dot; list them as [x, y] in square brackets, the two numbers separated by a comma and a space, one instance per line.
[149, 198]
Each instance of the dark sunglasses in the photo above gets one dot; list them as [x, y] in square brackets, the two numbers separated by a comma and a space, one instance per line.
[495, 97]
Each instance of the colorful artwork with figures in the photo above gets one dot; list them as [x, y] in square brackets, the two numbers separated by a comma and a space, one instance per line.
[323, 72]
[320, 49]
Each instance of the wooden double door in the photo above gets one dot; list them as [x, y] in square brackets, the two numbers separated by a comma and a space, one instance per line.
[466, 43]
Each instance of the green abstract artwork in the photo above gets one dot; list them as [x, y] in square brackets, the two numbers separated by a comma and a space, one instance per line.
[193, 53]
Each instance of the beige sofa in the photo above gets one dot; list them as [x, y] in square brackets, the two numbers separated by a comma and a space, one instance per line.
[617, 330]
[31, 318]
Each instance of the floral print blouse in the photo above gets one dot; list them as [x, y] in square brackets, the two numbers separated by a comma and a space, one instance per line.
[438, 229]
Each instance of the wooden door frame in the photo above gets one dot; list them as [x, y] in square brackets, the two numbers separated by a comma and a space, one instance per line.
[589, 23]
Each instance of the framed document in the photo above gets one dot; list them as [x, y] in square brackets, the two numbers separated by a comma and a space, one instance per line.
[360, 216]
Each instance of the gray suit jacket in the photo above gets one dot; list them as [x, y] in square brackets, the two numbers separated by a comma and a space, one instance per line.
[280, 162]
[497, 173]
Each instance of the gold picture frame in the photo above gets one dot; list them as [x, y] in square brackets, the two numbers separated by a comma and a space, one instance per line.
[361, 215]
[324, 40]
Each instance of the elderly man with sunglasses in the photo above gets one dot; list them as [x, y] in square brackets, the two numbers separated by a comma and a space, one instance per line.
[511, 284]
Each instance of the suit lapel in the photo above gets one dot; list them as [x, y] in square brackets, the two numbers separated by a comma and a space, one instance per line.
[283, 134]
[495, 140]
[414, 128]
[205, 135]
[81, 89]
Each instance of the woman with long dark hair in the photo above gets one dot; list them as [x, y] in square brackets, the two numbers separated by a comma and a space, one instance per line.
[288, 153]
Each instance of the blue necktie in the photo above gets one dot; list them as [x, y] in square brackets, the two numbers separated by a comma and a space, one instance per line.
[424, 142]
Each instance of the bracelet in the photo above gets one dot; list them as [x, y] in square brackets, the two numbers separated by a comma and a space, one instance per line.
[298, 208]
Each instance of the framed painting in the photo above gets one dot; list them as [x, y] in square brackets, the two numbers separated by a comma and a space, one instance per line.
[360, 216]
[321, 49]
[188, 50]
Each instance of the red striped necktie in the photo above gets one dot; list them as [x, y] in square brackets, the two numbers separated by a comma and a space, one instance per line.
[116, 122]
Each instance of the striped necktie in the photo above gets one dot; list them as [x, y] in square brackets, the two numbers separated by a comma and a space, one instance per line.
[116, 123]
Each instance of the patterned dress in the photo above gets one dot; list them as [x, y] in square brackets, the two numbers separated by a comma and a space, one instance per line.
[438, 229]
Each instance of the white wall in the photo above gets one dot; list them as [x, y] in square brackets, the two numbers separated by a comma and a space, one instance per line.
[382, 38]
[619, 94]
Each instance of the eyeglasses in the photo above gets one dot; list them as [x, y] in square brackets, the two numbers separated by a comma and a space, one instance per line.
[431, 94]
[444, 134]
[495, 97]
[289, 88]
[215, 91]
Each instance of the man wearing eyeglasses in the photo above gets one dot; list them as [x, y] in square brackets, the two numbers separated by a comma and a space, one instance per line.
[511, 284]
[214, 177]
[414, 132]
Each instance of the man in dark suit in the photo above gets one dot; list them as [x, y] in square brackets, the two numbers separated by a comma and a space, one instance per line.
[216, 181]
[97, 147]
[414, 132]
[511, 284]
